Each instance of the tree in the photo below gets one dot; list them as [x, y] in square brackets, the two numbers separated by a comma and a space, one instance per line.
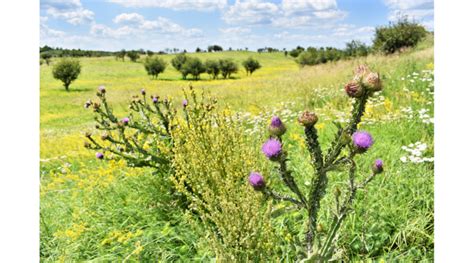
[121, 54]
[67, 70]
[46, 56]
[150, 53]
[178, 63]
[133, 55]
[251, 65]
[356, 49]
[393, 37]
[214, 48]
[212, 68]
[227, 67]
[154, 66]
[193, 66]
[198, 50]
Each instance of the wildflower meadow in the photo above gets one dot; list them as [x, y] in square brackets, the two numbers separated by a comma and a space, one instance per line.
[271, 161]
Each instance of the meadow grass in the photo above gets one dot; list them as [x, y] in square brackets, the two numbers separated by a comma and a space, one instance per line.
[91, 210]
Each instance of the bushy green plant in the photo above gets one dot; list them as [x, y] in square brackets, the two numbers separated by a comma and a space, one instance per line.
[178, 62]
[356, 49]
[193, 66]
[133, 55]
[46, 56]
[212, 157]
[154, 66]
[391, 38]
[251, 65]
[121, 54]
[347, 145]
[296, 52]
[227, 67]
[67, 70]
[212, 68]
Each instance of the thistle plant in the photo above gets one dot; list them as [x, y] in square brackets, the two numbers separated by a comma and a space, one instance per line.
[142, 138]
[347, 144]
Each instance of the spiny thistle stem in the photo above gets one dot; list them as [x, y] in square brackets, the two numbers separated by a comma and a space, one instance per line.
[288, 178]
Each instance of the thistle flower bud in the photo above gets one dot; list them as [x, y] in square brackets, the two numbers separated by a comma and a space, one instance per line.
[354, 89]
[378, 166]
[88, 134]
[96, 106]
[88, 104]
[256, 181]
[308, 119]
[276, 128]
[99, 155]
[101, 89]
[337, 192]
[372, 82]
[143, 92]
[185, 103]
[125, 120]
[272, 149]
[362, 141]
[361, 72]
[87, 144]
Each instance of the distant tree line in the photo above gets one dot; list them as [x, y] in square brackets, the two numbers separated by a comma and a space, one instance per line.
[388, 39]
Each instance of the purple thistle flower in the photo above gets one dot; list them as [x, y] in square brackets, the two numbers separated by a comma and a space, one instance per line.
[185, 103]
[378, 166]
[143, 91]
[99, 155]
[101, 89]
[272, 149]
[276, 128]
[155, 99]
[125, 120]
[256, 181]
[362, 141]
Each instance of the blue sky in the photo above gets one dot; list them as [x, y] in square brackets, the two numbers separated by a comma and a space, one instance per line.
[186, 24]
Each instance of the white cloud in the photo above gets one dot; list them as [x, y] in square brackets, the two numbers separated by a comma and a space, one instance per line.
[409, 4]
[71, 11]
[203, 5]
[418, 10]
[129, 17]
[47, 32]
[234, 30]
[250, 12]
[289, 13]
[304, 6]
[134, 24]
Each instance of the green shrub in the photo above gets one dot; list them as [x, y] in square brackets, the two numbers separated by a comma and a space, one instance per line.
[391, 38]
[154, 66]
[227, 67]
[212, 68]
[46, 56]
[133, 55]
[356, 49]
[296, 52]
[193, 66]
[251, 65]
[178, 63]
[67, 70]
[121, 54]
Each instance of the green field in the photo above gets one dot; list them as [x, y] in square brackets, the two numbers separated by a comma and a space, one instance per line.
[105, 211]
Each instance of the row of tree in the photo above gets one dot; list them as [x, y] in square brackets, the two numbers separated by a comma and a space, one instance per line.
[387, 40]
[195, 67]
